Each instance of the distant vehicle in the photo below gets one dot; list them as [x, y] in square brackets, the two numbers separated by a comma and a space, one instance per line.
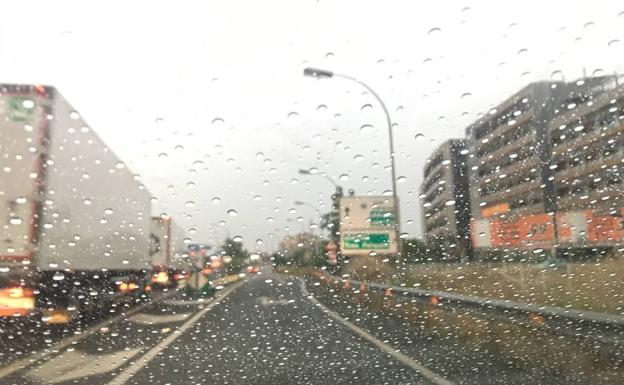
[170, 259]
[75, 233]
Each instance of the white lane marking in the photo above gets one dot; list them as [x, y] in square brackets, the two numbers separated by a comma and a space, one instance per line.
[56, 348]
[151, 319]
[185, 302]
[417, 366]
[266, 301]
[72, 365]
[139, 364]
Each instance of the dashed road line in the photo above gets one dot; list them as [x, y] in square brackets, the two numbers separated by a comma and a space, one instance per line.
[142, 361]
[417, 366]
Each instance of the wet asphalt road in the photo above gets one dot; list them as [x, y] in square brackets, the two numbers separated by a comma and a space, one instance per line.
[267, 329]
[264, 331]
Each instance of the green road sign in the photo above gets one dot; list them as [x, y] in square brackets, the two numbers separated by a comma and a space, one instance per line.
[381, 218]
[19, 110]
[372, 241]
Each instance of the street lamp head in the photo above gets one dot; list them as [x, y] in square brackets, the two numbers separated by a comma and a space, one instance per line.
[317, 73]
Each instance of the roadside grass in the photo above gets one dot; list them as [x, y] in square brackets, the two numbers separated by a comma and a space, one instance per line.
[595, 285]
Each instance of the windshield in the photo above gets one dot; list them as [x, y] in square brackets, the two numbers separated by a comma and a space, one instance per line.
[284, 192]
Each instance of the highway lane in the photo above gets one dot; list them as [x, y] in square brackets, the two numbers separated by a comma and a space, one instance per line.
[261, 331]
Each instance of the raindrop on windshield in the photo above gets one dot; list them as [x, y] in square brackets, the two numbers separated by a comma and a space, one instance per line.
[237, 238]
[215, 200]
[434, 31]
[232, 212]
[419, 137]
[343, 177]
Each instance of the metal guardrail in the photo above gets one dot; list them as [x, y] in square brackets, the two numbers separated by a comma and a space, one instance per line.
[599, 327]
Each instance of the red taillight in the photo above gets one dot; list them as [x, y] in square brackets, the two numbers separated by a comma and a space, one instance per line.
[19, 292]
[179, 276]
[160, 277]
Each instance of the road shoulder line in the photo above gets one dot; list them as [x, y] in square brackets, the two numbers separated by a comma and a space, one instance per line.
[37, 356]
[415, 365]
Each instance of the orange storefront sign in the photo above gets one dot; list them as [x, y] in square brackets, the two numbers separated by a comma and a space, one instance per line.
[604, 228]
[490, 211]
[536, 231]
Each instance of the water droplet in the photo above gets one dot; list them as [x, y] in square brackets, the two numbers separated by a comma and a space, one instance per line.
[321, 107]
[159, 120]
[259, 155]
[404, 236]
[434, 31]
[329, 55]
[466, 95]
[614, 43]
[232, 212]
[449, 202]
[366, 107]
[58, 276]
[179, 148]
[190, 184]
[108, 211]
[257, 197]
[419, 137]
[20, 200]
[557, 75]
[215, 200]
[189, 203]
[522, 51]
[28, 104]
[87, 202]
[401, 179]
[343, 177]
[358, 158]
[366, 128]
[259, 242]
[15, 221]
[217, 121]
[120, 165]
[74, 115]
[293, 115]
[237, 238]
[125, 262]
[163, 155]
[270, 219]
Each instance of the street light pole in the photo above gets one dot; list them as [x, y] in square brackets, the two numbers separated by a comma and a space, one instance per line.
[319, 73]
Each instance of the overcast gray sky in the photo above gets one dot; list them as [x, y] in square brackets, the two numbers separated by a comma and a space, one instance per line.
[207, 100]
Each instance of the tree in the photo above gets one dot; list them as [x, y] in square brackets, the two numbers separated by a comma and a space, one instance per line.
[238, 254]
[414, 250]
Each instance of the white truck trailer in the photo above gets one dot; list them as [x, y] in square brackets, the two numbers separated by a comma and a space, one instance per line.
[74, 220]
[170, 260]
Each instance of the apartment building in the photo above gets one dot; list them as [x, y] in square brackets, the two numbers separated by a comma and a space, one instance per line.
[551, 147]
[444, 199]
